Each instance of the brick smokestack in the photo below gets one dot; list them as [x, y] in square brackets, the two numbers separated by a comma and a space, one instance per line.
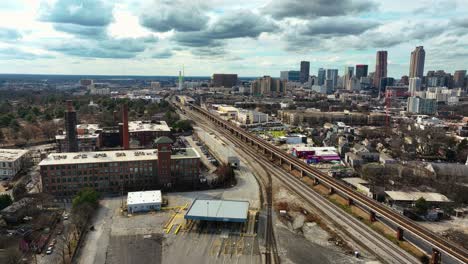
[70, 127]
[125, 136]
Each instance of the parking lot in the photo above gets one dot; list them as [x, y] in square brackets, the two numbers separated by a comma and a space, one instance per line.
[153, 236]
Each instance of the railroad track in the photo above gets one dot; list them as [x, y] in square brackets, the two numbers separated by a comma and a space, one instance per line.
[271, 247]
[447, 247]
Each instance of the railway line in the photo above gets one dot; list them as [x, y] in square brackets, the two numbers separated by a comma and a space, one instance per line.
[439, 244]
[384, 249]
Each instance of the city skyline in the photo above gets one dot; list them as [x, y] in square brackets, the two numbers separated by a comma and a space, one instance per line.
[249, 38]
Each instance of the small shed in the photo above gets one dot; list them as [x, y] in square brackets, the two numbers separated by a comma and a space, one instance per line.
[144, 201]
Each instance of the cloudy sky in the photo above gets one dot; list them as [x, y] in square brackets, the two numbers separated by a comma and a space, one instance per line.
[248, 37]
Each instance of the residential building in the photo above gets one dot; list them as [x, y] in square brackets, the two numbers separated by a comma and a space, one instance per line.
[310, 117]
[145, 132]
[417, 62]
[380, 67]
[64, 174]
[224, 80]
[418, 105]
[305, 71]
[414, 85]
[361, 70]
[268, 86]
[247, 117]
[11, 162]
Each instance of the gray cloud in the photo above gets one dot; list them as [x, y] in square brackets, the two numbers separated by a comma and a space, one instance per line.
[17, 54]
[85, 31]
[307, 9]
[208, 52]
[79, 12]
[165, 15]
[162, 54]
[117, 48]
[240, 24]
[8, 34]
[337, 26]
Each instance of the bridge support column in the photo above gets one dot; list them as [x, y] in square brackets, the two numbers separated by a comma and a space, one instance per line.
[349, 201]
[436, 257]
[280, 161]
[331, 190]
[272, 157]
[399, 234]
[302, 174]
[372, 216]
[316, 181]
[264, 151]
[290, 167]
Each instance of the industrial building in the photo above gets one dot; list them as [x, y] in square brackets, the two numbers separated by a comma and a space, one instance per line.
[88, 138]
[400, 199]
[144, 201]
[145, 132]
[64, 174]
[218, 211]
[11, 162]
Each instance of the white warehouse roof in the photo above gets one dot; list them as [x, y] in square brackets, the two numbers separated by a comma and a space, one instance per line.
[144, 197]
[413, 196]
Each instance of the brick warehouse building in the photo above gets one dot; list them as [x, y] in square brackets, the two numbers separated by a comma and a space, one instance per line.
[64, 174]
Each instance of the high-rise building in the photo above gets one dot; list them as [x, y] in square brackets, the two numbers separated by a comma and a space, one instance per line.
[361, 71]
[305, 67]
[380, 67]
[321, 76]
[224, 80]
[332, 74]
[404, 80]
[418, 105]
[459, 79]
[417, 62]
[348, 73]
[268, 86]
[384, 82]
[439, 78]
[414, 85]
[290, 76]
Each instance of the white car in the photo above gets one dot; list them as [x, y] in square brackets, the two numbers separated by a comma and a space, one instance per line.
[48, 252]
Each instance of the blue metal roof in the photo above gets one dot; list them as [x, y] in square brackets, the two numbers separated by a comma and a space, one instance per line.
[218, 210]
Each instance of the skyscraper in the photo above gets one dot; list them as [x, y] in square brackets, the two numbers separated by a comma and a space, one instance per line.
[459, 79]
[305, 67]
[348, 73]
[321, 76]
[361, 71]
[380, 67]
[417, 62]
[332, 74]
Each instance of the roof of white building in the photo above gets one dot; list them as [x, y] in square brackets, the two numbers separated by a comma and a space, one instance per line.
[413, 196]
[114, 156]
[144, 197]
[137, 126]
[11, 154]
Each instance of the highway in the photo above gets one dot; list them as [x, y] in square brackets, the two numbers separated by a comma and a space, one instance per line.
[447, 248]
[384, 249]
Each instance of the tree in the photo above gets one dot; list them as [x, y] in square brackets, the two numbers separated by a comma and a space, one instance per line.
[5, 201]
[183, 125]
[19, 191]
[86, 196]
[2, 136]
[421, 206]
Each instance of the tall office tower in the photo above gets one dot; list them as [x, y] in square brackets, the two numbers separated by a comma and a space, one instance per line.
[414, 85]
[361, 71]
[417, 62]
[321, 76]
[305, 67]
[332, 74]
[348, 73]
[290, 76]
[380, 67]
[70, 127]
[459, 79]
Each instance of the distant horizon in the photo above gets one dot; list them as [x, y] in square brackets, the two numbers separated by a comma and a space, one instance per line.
[122, 75]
